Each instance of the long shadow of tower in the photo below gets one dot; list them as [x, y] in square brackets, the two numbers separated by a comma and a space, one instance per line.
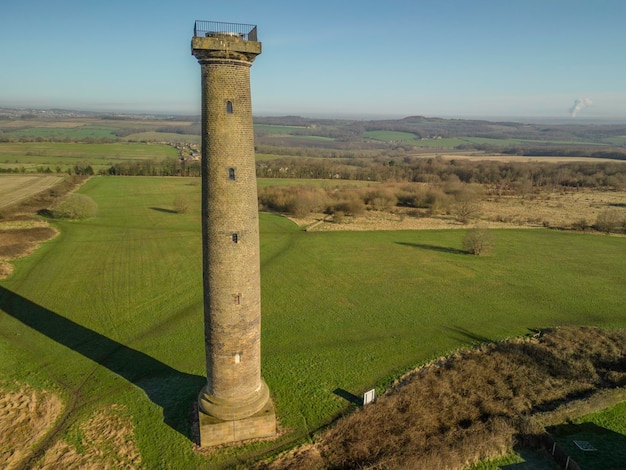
[172, 390]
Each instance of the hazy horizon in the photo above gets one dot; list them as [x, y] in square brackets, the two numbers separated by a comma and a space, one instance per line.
[555, 120]
[397, 58]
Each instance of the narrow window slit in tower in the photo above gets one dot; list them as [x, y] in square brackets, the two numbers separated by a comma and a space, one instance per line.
[231, 174]
[237, 299]
[229, 107]
[235, 237]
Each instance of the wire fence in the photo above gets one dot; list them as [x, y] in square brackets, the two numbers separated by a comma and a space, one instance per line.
[247, 32]
[559, 454]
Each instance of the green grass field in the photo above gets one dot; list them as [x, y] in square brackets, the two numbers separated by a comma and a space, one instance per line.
[389, 136]
[79, 132]
[152, 136]
[277, 130]
[291, 131]
[448, 143]
[110, 311]
[52, 154]
[617, 140]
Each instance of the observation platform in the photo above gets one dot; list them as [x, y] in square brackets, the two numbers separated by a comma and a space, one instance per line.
[218, 36]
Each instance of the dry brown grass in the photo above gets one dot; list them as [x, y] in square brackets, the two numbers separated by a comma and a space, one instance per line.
[19, 238]
[15, 188]
[471, 405]
[479, 157]
[107, 443]
[6, 269]
[20, 232]
[18, 243]
[43, 199]
[562, 209]
[26, 415]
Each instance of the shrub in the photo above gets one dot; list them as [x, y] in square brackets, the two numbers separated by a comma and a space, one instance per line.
[296, 200]
[338, 217]
[305, 201]
[75, 206]
[437, 200]
[412, 195]
[472, 405]
[382, 199]
[609, 221]
[181, 204]
[478, 241]
[352, 206]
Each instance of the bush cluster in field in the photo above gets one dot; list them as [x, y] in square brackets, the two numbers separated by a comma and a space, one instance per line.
[302, 200]
[611, 221]
[452, 197]
[74, 206]
[472, 405]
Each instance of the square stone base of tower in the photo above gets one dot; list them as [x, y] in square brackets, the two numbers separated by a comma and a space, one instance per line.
[214, 431]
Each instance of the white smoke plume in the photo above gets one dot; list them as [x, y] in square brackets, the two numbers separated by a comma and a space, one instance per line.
[579, 105]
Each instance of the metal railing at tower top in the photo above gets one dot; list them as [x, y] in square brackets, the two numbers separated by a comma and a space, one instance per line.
[247, 32]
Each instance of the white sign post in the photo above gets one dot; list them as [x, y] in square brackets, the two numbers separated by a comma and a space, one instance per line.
[369, 397]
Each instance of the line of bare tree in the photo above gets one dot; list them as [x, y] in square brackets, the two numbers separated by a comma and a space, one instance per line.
[518, 176]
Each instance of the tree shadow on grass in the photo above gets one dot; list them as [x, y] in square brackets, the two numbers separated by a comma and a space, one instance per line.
[466, 336]
[441, 249]
[162, 209]
[174, 391]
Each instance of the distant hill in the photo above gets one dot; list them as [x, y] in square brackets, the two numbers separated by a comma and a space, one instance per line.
[428, 127]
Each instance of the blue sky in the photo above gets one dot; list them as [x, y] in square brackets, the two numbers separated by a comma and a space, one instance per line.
[449, 58]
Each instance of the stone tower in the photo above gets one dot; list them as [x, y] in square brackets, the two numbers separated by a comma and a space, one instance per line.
[235, 404]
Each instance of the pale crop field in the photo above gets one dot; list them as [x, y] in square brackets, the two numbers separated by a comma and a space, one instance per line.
[109, 314]
[15, 188]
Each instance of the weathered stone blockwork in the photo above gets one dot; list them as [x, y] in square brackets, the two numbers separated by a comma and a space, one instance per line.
[215, 432]
[234, 404]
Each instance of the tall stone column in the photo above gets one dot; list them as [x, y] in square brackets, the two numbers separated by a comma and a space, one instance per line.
[235, 403]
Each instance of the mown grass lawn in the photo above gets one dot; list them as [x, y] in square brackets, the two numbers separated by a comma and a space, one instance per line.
[341, 310]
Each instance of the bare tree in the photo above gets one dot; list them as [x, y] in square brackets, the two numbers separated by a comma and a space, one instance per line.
[466, 207]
